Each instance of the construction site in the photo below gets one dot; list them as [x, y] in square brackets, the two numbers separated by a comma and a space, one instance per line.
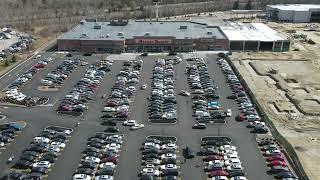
[287, 86]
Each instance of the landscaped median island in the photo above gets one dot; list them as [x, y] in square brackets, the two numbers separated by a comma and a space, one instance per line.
[13, 95]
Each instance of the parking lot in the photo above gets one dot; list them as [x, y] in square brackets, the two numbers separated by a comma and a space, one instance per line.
[129, 165]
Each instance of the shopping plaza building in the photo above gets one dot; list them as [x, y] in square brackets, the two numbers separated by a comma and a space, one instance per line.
[166, 36]
[142, 36]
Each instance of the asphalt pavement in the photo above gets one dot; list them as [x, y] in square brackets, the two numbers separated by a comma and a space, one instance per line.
[130, 157]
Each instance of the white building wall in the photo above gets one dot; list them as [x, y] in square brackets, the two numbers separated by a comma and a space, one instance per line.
[286, 15]
[301, 16]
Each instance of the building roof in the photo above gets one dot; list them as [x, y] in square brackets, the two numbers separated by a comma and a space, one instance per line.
[251, 32]
[85, 30]
[295, 7]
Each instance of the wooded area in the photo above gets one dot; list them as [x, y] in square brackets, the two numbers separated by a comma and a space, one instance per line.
[59, 15]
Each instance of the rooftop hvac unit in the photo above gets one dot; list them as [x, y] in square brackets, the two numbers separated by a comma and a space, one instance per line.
[97, 26]
[82, 22]
[147, 34]
[209, 33]
[183, 27]
[120, 33]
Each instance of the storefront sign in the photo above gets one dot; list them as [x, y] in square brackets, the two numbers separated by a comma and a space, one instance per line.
[153, 41]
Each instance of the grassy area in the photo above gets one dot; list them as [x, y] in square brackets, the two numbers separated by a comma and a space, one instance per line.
[4, 64]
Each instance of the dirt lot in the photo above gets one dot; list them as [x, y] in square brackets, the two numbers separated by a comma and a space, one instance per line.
[288, 87]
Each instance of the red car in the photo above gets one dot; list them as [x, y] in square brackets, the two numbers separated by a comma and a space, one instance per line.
[113, 159]
[240, 117]
[277, 163]
[218, 173]
[38, 66]
[275, 157]
[212, 157]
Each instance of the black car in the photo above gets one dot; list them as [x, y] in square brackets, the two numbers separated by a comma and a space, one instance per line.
[109, 123]
[91, 153]
[86, 164]
[151, 155]
[170, 172]
[188, 153]
[199, 126]
[112, 130]
[28, 158]
[288, 174]
[144, 54]
[23, 164]
[265, 142]
[49, 158]
[172, 53]
[41, 170]
[87, 171]
[31, 153]
[260, 129]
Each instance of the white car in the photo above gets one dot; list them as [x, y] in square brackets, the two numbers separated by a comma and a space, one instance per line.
[234, 167]
[168, 156]
[109, 109]
[136, 126]
[229, 113]
[151, 171]
[112, 149]
[81, 177]
[230, 156]
[219, 178]
[239, 178]
[115, 145]
[144, 86]
[229, 152]
[273, 152]
[168, 166]
[41, 140]
[151, 145]
[58, 144]
[107, 164]
[232, 161]
[253, 117]
[169, 146]
[2, 144]
[228, 147]
[53, 149]
[42, 164]
[92, 159]
[129, 123]
[104, 177]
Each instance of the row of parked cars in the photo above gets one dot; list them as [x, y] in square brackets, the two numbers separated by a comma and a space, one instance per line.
[8, 133]
[276, 160]
[23, 42]
[162, 107]
[100, 158]
[221, 160]
[205, 105]
[159, 159]
[83, 92]
[13, 95]
[43, 151]
[117, 105]
[56, 77]
[247, 108]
